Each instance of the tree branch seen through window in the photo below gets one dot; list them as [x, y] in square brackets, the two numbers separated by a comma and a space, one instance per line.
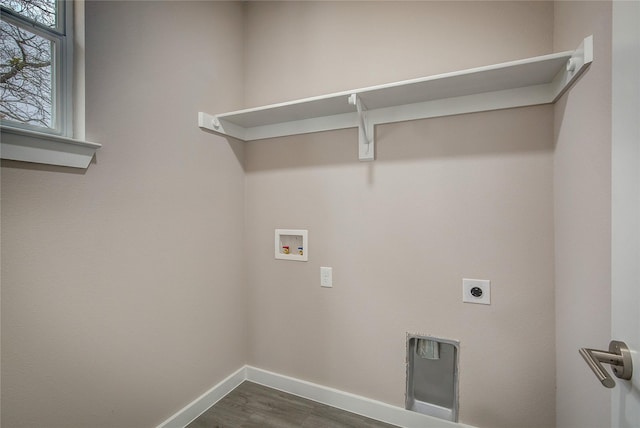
[26, 65]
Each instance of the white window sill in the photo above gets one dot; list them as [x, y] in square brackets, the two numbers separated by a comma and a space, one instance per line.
[38, 147]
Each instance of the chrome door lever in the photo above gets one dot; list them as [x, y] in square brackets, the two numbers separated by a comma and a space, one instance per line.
[618, 356]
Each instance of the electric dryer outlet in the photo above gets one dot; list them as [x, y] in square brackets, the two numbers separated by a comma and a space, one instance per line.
[476, 291]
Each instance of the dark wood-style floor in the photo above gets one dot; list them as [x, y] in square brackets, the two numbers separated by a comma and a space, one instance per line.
[251, 406]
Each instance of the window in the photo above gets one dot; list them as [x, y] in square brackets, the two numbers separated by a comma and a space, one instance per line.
[36, 65]
[36, 86]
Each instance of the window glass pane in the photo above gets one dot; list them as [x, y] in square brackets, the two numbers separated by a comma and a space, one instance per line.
[25, 76]
[42, 11]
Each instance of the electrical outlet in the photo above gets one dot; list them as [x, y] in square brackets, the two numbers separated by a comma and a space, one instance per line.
[476, 291]
[326, 277]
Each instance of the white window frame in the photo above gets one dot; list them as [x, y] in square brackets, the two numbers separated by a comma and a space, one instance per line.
[62, 66]
[63, 143]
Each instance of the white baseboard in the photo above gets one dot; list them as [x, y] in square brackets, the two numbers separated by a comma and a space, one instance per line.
[198, 406]
[343, 400]
[350, 402]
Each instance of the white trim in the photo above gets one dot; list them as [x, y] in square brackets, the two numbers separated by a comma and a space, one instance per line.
[61, 36]
[29, 146]
[64, 73]
[625, 204]
[332, 397]
[78, 73]
[201, 404]
[346, 401]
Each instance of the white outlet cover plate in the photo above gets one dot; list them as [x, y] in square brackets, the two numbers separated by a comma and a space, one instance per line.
[483, 284]
[326, 277]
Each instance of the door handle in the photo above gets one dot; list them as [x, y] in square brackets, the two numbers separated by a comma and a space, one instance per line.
[618, 356]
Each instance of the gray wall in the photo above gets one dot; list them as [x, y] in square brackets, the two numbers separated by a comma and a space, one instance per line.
[465, 196]
[582, 205]
[133, 287]
[123, 287]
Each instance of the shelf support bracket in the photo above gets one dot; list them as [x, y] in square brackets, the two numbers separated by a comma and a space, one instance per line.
[366, 148]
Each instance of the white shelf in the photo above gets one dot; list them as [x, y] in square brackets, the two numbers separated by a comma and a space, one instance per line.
[532, 81]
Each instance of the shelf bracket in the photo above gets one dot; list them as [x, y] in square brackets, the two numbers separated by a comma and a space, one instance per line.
[576, 65]
[526, 82]
[366, 148]
[221, 127]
